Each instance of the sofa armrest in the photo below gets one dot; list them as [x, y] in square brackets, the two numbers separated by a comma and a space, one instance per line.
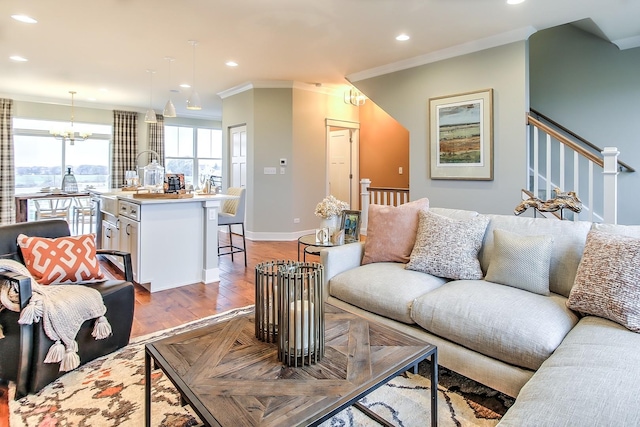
[126, 261]
[19, 340]
[338, 259]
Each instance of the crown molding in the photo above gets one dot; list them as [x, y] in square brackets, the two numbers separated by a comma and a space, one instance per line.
[627, 43]
[447, 53]
[327, 89]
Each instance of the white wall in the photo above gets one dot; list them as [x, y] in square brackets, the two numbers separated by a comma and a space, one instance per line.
[405, 96]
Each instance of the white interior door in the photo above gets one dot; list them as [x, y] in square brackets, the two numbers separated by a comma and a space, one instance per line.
[340, 164]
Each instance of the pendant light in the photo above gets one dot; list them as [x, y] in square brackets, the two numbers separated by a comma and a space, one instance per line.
[150, 117]
[169, 108]
[193, 102]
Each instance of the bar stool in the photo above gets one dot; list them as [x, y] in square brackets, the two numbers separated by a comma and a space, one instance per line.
[232, 213]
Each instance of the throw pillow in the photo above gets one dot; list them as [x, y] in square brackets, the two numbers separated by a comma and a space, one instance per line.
[520, 261]
[391, 231]
[447, 247]
[608, 279]
[61, 260]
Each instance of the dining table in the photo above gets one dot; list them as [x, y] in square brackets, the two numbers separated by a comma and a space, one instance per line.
[22, 201]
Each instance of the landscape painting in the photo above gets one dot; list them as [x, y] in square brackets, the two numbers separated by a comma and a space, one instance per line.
[461, 136]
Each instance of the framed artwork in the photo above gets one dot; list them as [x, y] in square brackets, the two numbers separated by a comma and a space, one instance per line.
[461, 136]
[174, 183]
[351, 225]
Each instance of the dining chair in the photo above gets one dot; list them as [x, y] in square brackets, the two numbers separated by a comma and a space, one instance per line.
[232, 213]
[82, 209]
[52, 208]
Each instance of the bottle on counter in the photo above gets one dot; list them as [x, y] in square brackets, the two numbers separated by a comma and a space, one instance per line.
[154, 177]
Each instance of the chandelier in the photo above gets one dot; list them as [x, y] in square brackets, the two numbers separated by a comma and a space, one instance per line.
[70, 134]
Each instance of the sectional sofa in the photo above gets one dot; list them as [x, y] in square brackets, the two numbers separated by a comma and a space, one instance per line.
[543, 310]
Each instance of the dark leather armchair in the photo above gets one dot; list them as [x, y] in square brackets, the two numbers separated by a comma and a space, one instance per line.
[25, 347]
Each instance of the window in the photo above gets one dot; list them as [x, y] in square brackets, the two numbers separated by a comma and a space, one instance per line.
[41, 160]
[189, 149]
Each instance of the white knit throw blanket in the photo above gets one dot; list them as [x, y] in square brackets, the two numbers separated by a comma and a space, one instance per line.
[62, 308]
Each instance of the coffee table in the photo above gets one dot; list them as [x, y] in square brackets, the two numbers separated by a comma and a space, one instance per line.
[230, 378]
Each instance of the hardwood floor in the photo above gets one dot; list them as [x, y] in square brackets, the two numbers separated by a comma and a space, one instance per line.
[173, 307]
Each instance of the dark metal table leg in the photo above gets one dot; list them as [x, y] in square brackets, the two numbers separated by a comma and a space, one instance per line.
[434, 389]
[147, 389]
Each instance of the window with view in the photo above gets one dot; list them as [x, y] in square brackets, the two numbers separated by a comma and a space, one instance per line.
[194, 152]
[42, 160]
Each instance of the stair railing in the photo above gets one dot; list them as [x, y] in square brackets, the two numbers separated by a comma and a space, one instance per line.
[387, 196]
[550, 167]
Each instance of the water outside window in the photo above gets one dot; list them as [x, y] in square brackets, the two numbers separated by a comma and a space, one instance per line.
[41, 160]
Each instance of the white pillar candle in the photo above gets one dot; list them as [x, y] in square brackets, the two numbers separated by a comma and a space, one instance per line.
[301, 310]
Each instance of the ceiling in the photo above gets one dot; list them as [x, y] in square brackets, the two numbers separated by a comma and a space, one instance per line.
[102, 49]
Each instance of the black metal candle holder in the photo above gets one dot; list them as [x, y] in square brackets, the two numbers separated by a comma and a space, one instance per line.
[301, 313]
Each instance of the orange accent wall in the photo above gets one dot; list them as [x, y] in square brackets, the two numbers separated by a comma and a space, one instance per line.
[384, 147]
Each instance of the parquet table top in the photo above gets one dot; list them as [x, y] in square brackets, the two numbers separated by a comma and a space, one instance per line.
[230, 378]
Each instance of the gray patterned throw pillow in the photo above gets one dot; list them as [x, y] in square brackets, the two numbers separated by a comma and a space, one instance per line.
[521, 261]
[608, 279]
[447, 247]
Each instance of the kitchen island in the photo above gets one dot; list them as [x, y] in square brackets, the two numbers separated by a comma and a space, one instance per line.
[173, 242]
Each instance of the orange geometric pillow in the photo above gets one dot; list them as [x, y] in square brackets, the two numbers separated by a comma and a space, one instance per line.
[62, 260]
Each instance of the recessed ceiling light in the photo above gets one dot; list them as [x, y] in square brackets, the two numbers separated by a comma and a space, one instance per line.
[402, 38]
[515, 1]
[18, 58]
[24, 18]
[231, 63]
[186, 86]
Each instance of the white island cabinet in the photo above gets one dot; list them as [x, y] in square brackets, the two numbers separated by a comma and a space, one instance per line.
[173, 242]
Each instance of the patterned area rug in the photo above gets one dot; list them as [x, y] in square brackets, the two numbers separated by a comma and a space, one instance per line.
[110, 392]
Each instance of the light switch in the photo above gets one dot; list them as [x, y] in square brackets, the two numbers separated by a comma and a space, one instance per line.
[282, 171]
[400, 170]
[269, 171]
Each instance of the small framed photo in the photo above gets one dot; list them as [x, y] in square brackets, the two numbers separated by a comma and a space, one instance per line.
[174, 183]
[351, 225]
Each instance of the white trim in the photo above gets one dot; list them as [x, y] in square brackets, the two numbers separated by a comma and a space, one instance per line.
[446, 53]
[627, 43]
[333, 90]
[210, 275]
[278, 237]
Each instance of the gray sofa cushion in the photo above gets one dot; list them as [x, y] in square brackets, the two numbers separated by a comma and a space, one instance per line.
[521, 261]
[590, 381]
[384, 288]
[568, 243]
[508, 324]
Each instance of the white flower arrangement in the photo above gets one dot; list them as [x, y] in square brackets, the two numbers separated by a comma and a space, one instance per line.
[330, 206]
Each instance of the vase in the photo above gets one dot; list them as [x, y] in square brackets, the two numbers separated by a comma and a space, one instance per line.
[332, 223]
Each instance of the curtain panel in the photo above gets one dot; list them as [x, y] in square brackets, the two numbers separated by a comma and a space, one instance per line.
[7, 165]
[125, 145]
[156, 139]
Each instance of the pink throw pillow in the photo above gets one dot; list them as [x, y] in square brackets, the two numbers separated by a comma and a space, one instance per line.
[391, 232]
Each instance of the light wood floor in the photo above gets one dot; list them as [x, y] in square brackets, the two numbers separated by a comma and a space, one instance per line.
[173, 307]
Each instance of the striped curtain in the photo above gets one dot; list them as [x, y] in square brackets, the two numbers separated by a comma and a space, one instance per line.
[156, 139]
[125, 145]
[7, 170]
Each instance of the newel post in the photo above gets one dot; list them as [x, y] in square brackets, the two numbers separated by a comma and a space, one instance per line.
[364, 204]
[610, 174]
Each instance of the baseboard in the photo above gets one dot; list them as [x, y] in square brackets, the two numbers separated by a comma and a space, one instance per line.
[278, 237]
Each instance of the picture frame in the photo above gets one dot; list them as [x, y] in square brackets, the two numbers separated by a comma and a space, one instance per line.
[461, 136]
[174, 183]
[350, 223]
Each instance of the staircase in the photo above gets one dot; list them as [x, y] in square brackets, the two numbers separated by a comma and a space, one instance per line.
[560, 158]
